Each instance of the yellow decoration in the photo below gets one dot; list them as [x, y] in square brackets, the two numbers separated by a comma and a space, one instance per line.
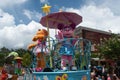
[84, 78]
[58, 78]
[46, 8]
[64, 77]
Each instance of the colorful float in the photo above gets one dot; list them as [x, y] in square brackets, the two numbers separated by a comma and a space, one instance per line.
[65, 58]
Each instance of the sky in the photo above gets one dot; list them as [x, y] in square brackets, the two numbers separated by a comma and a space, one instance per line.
[19, 19]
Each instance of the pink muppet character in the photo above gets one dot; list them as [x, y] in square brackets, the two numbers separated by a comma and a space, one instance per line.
[66, 50]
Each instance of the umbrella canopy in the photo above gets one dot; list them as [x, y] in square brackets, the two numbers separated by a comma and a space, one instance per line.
[66, 18]
[15, 54]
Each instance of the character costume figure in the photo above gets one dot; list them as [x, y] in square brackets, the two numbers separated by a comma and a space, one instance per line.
[67, 49]
[39, 47]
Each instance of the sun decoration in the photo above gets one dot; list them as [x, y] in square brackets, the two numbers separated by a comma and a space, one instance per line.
[46, 8]
[64, 77]
[84, 77]
[58, 78]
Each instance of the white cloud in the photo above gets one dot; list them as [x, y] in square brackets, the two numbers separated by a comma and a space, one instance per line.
[6, 3]
[28, 14]
[6, 19]
[101, 18]
[32, 14]
[43, 1]
[19, 36]
[113, 5]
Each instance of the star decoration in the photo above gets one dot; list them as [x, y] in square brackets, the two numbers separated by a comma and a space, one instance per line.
[46, 8]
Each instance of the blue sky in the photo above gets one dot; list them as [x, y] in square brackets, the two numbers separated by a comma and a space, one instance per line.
[19, 19]
[26, 11]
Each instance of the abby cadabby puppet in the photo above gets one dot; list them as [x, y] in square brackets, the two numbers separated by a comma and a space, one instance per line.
[66, 33]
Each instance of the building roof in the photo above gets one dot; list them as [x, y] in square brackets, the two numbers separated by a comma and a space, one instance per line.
[80, 28]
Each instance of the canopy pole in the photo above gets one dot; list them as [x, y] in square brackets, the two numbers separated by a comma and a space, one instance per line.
[51, 65]
[46, 10]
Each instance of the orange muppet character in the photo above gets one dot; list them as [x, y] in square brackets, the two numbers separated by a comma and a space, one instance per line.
[39, 47]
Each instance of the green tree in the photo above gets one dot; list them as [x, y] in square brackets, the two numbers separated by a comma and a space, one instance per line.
[21, 51]
[110, 48]
[3, 53]
[27, 59]
[2, 59]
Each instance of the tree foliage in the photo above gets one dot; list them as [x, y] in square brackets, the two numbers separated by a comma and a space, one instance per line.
[3, 53]
[110, 48]
[2, 59]
[27, 60]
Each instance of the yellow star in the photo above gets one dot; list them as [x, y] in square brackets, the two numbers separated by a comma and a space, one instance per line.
[46, 8]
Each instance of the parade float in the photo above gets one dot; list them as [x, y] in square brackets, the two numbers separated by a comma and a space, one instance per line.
[67, 57]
